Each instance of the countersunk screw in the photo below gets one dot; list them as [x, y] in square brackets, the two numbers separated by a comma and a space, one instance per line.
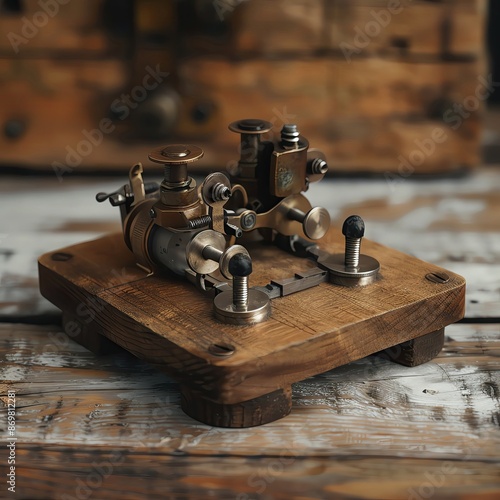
[353, 230]
[221, 349]
[438, 277]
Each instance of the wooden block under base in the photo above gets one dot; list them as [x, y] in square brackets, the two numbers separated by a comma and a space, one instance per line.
[240, 376]
[416, 351]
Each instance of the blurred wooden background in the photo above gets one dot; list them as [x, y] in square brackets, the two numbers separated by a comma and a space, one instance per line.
[368, 81]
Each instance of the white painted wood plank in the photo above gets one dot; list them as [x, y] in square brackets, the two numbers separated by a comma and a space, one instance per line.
[372, 407]
[40, 215]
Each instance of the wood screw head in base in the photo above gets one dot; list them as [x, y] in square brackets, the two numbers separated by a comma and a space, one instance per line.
[438, 277]
[222, 350]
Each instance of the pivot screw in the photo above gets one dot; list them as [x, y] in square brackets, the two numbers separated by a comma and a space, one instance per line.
[315, 223]
[220, 192]
[248, 220]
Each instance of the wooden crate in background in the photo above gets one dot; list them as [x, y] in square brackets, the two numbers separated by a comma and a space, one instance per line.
[374, 85]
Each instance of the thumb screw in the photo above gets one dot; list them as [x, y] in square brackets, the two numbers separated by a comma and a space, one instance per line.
[353, 230]
[240, 266]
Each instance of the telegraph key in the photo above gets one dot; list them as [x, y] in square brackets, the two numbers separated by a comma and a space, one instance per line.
[239, 287]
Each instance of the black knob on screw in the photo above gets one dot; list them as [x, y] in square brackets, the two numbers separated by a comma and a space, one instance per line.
[353, 229]
[240, 266]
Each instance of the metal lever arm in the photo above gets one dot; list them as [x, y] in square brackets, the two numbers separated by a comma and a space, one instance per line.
[280, 219]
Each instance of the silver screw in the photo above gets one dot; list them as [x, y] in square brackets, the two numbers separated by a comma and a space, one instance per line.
[248, 220]
[240, 292]
[240, 266]
[353, 230]
[220, 192]
[319, 166]
[290, 136]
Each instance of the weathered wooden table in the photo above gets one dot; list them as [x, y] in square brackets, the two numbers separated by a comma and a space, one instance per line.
[111, 427]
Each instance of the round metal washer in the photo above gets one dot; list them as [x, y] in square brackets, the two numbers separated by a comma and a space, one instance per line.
[175, 154]
[194, 251]
[339, 274]
[258, 308]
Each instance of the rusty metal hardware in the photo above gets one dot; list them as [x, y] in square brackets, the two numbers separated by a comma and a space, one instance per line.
[191, 231]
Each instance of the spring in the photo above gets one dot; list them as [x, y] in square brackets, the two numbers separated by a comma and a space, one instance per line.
[199, 222]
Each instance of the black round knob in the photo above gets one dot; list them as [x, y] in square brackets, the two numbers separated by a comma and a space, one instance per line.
[354, 227]
[240, 265]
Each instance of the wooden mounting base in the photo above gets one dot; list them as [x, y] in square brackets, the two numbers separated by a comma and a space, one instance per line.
[241, 376]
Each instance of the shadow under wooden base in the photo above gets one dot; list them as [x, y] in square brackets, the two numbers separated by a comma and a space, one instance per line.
[416, 351]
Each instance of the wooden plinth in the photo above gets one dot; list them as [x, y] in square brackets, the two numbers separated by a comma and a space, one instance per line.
[240, 376]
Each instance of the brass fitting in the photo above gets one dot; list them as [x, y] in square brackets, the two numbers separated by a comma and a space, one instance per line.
[179, 200]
